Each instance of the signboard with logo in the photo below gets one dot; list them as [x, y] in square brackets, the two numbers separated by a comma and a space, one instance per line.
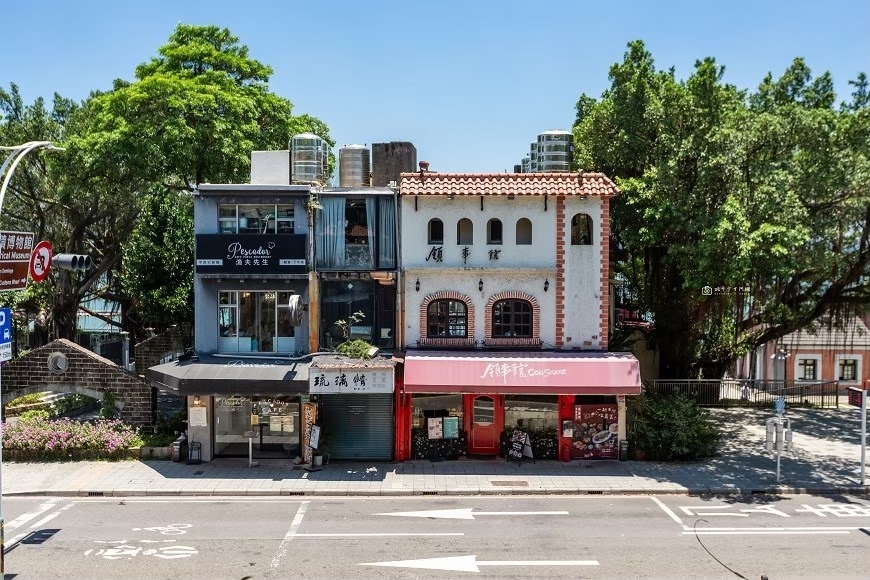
[349, 380]
[596, 432]
[15, 251]
[251, 253]
[5, 334]
[520, 446]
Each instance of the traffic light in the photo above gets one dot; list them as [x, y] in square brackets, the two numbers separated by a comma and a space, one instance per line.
[72, 262]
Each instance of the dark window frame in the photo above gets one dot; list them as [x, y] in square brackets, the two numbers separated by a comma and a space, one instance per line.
[512, 318]
[578, 236]
[850, 363]
[444, 322]
[805, 365]
[433, 239]
[490, 237]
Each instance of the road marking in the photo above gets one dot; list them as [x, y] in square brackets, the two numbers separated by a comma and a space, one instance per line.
[288, 537]
[50, 516]
[24, 518]
[668, 510]
[13, 541]
[470, 563]
[466, 514]
[773, 529]
[688, 511]
[765, 533]
[375, 535]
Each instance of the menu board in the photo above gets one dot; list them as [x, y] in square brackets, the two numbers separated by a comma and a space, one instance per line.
[451, 427]
[309, 416]
[596, 432]
[520, 446]
[196, 417]
[436, 428]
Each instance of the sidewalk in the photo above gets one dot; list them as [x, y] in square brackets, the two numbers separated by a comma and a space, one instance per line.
[826, 460]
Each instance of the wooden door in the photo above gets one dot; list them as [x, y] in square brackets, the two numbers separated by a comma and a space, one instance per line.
[484, 420]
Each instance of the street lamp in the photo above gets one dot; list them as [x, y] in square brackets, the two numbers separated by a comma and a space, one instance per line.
[17, 153]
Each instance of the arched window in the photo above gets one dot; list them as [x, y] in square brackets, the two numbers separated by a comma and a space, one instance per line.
[464, 232]
[436, 231]
[447, 319]
[581, 230]
[512, 319]
[493, 232]
[524, 232]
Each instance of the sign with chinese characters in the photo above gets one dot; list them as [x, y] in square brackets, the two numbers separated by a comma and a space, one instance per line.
[15, 251]
[435, 426]
[596, 432]
[520, 370]
[196, 417]
[251, 253]
[436, 254]
[350, 380]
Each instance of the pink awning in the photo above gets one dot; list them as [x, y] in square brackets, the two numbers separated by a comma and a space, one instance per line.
[545, 373]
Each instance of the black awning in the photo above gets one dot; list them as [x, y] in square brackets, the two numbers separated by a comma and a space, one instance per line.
[232, 376]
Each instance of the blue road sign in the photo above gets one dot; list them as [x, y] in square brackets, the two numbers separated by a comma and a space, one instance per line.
[779, 406]
[5, 334]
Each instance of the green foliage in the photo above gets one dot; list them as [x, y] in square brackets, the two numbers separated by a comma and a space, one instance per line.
[71, 402]
[170, 424]
[28, 399]
[357, 348]
[671, 427]
[157, 440]
[108, 410]
[729, 188]
[35, 414]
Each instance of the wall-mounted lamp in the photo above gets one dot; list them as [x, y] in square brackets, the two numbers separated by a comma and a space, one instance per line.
[417, 285]
[546, 285]
[196, 401]
[480, 285]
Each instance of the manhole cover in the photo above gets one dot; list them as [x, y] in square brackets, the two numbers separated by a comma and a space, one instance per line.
[510, 483]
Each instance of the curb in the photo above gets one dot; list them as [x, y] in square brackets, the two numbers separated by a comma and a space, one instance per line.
[703, 490]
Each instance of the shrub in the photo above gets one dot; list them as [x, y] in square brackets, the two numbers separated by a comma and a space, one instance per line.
[39, 438]
[71, 402]
[35, 414]
[29, 399]
[355, 349]
[108, 410]
[671, 427]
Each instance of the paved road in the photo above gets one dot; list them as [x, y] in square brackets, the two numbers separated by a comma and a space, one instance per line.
[456, 537]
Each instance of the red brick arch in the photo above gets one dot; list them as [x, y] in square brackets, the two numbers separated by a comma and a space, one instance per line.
[446, 295]
[536, 314]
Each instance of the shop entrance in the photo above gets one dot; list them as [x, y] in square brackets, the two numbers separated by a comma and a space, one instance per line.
[484, 423]
[274, 419]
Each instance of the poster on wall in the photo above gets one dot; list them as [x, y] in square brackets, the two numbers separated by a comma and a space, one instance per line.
[315, 436]
[436, 427]
[309, 416]
[451, 427]
[596, 432]
[196, 417]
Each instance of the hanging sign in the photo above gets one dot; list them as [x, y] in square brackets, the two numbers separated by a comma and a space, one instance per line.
[16, 249]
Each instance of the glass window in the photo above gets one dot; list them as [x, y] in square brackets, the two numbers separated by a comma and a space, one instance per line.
[464, 232]
[275, 418]
[249, 322]
[227, 219]
[848, 369]
[484, 411]
[524, 232]
[256, 219]
[512, 319]
[359, 220]
[447, 318]
[493, 232]
[531, 412]
[436, 406]
[581, 230]
[286, 219]
[285, 324]
[807, 369]
[436, 231]
[340, 300]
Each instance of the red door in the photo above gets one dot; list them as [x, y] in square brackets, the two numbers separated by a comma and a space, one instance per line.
[484, 423]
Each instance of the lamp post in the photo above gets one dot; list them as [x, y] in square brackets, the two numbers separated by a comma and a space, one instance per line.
[17, 153]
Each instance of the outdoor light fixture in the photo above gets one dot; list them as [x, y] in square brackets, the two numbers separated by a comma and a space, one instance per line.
[196, 401]
[480, 285]
[417, 285]
[546, 285]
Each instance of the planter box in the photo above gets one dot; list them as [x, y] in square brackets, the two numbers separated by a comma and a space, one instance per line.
[152, 452]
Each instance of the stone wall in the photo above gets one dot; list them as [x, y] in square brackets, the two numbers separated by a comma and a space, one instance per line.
[86, 373]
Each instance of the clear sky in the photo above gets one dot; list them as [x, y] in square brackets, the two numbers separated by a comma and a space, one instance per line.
[471, 83]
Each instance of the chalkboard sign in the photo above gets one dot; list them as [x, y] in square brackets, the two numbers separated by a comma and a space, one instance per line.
[520, 447]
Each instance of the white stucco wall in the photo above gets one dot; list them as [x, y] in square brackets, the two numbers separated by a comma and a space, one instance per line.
[583, 279]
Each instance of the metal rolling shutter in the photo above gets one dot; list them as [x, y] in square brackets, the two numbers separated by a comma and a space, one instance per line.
[361, 426]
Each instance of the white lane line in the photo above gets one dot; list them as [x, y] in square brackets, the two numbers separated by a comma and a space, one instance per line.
[375, 535]
[780, 529]
[288, 537]
[234, 500]
[668, 510]
[766, 533]
[50, 517]
[24, 518]
[11, 542]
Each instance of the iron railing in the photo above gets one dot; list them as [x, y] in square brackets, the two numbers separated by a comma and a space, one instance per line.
[748, 393]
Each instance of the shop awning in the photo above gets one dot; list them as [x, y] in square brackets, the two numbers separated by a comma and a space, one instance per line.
[550, 373]
[231, 376]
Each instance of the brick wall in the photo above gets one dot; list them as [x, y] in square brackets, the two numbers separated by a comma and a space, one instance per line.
[149, 352]
[536, 313]
[605, 273]
[86, 373]
[560, 272]
[424, 315]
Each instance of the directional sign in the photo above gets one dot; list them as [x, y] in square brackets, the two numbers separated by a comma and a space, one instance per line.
[5, 334]
[15, 251]
[779, 406]
[470, 563]
[466, 514]
[40, 261]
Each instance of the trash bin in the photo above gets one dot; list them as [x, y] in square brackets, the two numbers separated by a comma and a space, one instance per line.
[194, 453]
[623, 450]
[178, 451]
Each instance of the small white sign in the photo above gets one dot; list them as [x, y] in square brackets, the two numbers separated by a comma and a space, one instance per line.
[196, 417]
[288, 262]
[315, 436]
[5, 351]
[210, 262]
[361, 381]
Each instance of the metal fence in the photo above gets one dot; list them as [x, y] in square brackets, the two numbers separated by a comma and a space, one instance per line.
[747, 393]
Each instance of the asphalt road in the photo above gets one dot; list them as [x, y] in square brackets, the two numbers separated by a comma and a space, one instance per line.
[557, 537]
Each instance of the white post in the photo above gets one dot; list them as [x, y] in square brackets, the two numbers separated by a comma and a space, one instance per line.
[779, 444]
[250, 452]
[863, 437]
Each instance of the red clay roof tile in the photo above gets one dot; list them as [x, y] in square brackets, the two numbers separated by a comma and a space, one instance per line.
[432, 183]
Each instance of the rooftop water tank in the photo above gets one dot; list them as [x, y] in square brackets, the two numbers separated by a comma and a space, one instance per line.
[309, 158]
[555, 151]
[354, 166]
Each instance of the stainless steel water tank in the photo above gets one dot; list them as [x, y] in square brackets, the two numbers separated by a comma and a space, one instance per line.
[309, 158]
[555, 151]
[354, 166]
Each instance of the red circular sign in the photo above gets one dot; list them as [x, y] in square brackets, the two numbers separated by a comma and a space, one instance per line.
[40, 261]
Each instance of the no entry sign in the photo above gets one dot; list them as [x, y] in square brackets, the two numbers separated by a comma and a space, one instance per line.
[40, 261]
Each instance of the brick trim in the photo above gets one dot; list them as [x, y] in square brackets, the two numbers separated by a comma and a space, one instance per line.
[605, 273]
[447, 295]
[560, 272]
[536, 312]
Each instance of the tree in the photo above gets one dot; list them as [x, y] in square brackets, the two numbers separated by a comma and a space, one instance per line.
[723, 188]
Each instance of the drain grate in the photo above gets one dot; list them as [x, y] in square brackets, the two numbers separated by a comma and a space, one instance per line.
[198, 472]
[498, 483]
[429, 493]
[597, 492]
[293, 493]
[95, 494]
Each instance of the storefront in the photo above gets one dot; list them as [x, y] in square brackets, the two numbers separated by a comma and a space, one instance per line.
[557, 398]
[355, 406]
[230, 399]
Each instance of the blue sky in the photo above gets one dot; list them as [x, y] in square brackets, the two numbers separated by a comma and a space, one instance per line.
[470, 83]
